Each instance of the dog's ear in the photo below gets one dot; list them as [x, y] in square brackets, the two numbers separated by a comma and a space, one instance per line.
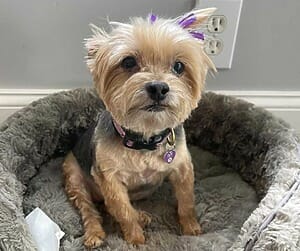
[94, 44]
[194, 22]
[195, 18]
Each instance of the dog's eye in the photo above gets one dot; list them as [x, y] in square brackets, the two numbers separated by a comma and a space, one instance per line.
[178, 67]
[128, 63]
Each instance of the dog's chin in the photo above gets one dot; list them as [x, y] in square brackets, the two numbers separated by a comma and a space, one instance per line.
[151, 119]
[155, 108]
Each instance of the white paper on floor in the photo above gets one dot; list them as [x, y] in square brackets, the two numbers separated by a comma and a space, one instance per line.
[45, 232]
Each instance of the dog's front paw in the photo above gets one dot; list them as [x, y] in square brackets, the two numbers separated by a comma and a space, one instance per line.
[134, 234]
[94, 239]
[190, 226]
[144, 218]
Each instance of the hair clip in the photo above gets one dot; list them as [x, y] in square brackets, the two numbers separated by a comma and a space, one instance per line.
[197, 34]
[184, 23]
[152, 18]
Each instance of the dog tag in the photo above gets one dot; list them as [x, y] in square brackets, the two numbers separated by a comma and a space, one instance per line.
[169, 156]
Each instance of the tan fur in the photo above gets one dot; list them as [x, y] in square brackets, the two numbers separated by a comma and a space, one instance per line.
[80, 194]
[118, 171]
[156, 47]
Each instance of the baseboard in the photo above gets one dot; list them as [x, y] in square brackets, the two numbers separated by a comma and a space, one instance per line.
[17, 98]
[272, 100]
[12, 100]
[284, 104]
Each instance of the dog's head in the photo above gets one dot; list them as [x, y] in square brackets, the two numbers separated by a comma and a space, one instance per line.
[150, 73]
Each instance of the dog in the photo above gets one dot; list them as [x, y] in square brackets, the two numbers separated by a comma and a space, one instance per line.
[149, 74]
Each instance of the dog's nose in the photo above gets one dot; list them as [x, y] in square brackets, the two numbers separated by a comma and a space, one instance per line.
[157, 91]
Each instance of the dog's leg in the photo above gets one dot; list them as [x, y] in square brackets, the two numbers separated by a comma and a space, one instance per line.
[182, 180]
[77, 190]
[118, 204]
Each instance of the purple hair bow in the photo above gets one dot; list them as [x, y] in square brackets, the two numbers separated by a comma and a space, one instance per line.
[185, 22]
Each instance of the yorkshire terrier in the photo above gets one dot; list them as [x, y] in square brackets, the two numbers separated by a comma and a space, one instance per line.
[149, 74]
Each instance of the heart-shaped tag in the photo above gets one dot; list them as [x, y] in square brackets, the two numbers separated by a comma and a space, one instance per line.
[169, 156]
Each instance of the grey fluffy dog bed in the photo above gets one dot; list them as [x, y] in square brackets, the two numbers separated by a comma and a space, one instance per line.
[246, 166]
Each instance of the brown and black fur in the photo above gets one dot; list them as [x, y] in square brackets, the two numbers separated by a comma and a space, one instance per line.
[100, 168]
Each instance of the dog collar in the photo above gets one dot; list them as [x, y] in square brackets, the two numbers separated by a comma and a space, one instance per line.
[136, 140]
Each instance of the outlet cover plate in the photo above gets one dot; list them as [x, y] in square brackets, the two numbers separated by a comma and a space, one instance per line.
[231, 9]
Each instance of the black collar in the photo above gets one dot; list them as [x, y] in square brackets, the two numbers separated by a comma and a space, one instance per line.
[134, 140]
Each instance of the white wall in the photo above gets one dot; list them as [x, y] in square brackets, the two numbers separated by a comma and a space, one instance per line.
[41, 41]
[267, 54]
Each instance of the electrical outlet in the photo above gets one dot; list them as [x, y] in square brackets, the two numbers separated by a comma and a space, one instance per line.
[221, 30]
[213, 47]
[216, 24]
